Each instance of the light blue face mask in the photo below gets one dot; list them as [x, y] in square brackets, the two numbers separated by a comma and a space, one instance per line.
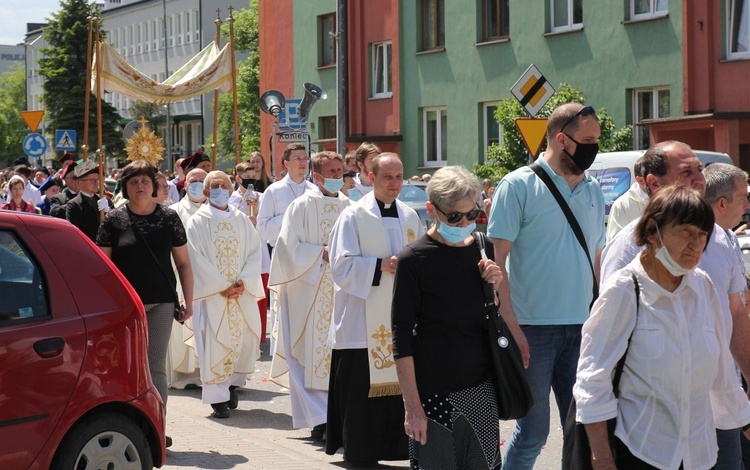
[219, 197]
[195, 190]
[333, 185]
[453, 234]
[355, 195]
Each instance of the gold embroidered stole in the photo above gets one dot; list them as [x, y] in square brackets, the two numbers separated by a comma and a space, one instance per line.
[374, 244]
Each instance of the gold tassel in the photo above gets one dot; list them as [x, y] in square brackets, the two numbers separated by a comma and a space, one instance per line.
[384, 390]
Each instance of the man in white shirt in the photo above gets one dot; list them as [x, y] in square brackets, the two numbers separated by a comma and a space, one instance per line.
[629, 206]
[363, 158]
[674, 162]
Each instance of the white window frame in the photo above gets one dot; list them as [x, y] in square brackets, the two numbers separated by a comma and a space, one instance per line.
[170, 30]
[154, 35]
[377, 47]
[197, 29]
[146, 36]
[486, 126]
[441, 159]
[654, 108]
[138, 39]
[730, 25]
[652, 13]
[568, 27]
[188, 30]
[178, 28]
[131, 40]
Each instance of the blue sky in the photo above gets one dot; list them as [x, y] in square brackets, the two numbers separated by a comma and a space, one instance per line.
[16, 13]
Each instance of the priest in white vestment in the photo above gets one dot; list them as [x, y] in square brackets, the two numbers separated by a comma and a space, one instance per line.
[365, 408]
[225, 248]
[182, 358]
[363, 157]
[301, 277]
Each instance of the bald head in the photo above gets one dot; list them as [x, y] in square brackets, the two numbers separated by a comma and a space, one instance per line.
[196, 174]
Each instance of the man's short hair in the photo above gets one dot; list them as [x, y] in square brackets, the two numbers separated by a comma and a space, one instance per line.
[721, 181]
[654, 161]
[351, 156]
[320, 157]
[365, 149]
[564, 115]
[243, 167]
[638, 167]
[290, 148]
[215, 174]
[23, 170]
[376, 161]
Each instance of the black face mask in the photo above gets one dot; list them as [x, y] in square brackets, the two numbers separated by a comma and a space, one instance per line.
[584, 155]
[248, 182]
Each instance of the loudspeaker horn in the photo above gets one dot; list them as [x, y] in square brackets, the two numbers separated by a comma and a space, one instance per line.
[313, 93]
[272, 102]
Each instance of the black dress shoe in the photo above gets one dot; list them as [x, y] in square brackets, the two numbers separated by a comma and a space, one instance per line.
[169, 441]
[319, 432]
[221, 411]
[233, 398]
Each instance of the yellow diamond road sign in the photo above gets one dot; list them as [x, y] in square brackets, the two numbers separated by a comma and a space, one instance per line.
[532, 90]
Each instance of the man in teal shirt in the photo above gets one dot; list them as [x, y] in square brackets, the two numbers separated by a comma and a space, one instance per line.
[550, 284]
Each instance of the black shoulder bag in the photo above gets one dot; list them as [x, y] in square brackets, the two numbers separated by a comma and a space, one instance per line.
[514, 397]
[179, 310]
[536, 168]
[576, 449]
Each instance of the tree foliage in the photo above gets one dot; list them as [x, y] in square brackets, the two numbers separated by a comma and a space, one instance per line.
[152, 112]
[63, 67]
[248, 89]
[12, 102]
[512, 153]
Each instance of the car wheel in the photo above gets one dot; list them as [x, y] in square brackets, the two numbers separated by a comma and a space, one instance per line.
[104, 441]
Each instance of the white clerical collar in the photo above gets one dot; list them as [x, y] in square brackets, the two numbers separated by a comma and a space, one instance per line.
[218, 213]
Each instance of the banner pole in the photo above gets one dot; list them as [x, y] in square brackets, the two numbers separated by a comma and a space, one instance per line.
[99, 139]
[87, 100]
[214, 145]
[230, 20]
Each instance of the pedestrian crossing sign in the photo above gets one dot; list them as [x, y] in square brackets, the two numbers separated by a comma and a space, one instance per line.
[65, 139]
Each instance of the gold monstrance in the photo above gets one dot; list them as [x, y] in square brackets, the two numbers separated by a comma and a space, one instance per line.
[145, 145]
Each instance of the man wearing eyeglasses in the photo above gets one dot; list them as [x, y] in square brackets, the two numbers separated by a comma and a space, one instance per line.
[83, 210]
[550, 284]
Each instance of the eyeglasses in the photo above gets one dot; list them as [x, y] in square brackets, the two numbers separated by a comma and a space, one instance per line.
[585, 111]
[163, 186]
[455, 217]
[300, 159]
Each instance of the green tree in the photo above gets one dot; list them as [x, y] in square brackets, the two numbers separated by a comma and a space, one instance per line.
[152, 112]
[65, 78]
[248, 89]
[512, 154]
[12, 102]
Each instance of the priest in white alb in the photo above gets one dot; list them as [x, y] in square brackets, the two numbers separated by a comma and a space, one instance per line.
[225, 249]
[301, 277]
[182, 358]
[365, 408]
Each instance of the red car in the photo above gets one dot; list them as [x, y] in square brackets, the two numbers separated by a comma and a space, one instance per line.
[75, 388]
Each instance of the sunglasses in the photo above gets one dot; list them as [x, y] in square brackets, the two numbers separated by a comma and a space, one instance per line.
[585, 111]
[455, 217]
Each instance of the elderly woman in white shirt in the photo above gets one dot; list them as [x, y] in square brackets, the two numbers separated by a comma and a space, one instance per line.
[671, 378]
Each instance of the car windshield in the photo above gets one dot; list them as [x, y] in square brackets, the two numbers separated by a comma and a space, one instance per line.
[411, 193]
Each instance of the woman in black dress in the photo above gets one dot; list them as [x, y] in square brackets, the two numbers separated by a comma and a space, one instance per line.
[440, 333]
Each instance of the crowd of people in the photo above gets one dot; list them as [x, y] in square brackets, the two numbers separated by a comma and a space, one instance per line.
[379, 329]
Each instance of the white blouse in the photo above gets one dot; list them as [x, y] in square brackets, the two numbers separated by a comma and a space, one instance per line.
[672, 383]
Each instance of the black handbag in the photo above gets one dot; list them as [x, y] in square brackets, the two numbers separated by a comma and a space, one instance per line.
[576, 449]
[513, 393]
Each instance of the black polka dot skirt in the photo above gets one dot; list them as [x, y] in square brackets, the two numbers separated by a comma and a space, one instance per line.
[463, 431]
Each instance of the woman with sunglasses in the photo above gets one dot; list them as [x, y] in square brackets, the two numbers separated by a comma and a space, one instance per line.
[443, 360]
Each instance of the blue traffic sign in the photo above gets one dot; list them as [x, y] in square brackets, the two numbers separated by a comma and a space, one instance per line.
[65, 139]
[289, 118]
[34, 145]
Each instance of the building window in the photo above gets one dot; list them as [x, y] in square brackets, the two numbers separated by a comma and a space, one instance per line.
[381, 70]
[138, 39]
[648, 103]
[739, 33]
[197, 27]
[146, 37]
[567, 15]
[642, 9]
[170, 31]
[131, 40]
[327, 40]
[154, 35]
[327, 127]
[495, 20]
[493, 131]
[178, 24]
[435, 139]
[433, 24]
[188, 33]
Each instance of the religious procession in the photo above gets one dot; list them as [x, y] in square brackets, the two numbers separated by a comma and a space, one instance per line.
[410, 334]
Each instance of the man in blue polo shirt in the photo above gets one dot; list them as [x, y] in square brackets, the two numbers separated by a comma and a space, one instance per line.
[550, 283]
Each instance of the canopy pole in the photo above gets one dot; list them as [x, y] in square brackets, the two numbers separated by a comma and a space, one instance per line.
[230, 20]
[214, 145]
[99, 139]
[87, 100]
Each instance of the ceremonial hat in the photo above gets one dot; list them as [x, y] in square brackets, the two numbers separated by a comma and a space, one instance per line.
[21, 161]
[48, 183]
[68, 170]
[42, 169]
[86, 168]
[193, 160]
[65, 157]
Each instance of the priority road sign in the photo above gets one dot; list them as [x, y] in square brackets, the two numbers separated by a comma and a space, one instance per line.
[533, 131]
[289, 118]
[65, 139]
[34, 145]
[532, 90]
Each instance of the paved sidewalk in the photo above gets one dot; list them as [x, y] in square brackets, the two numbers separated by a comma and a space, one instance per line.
[259, 433]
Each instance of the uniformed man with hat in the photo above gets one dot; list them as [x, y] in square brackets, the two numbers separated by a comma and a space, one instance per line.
[83, 210]
[59, 203]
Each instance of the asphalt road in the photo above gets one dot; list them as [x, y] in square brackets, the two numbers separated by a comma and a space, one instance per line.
[259, 433]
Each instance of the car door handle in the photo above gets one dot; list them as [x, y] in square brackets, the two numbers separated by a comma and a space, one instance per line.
[50, 347]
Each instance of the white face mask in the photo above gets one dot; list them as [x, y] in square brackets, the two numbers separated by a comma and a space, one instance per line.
[662, 254]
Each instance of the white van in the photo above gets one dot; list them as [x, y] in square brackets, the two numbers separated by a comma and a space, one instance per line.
[614, 171]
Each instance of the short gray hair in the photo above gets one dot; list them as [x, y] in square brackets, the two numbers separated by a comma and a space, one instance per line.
[451, 185]
[721, 181]
[216, 174]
